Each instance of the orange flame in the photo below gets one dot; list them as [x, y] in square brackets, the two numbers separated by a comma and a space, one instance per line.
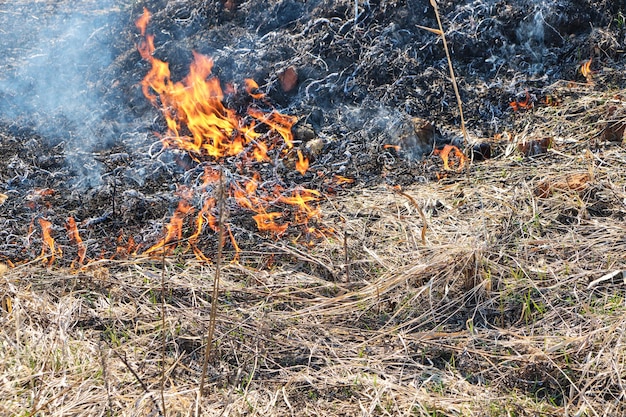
[343, 180]
[301, 200]
[196, 117]
[585, 70]
[265, 222]
[74, 236]
[251, 87]
[390, 146]
[302, 164]
[522, 105]
[198, 122]
[48, 244]
[125, 250]
[174, 229]
[444, 154]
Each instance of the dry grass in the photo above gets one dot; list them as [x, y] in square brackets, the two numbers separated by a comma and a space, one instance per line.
[515, 304]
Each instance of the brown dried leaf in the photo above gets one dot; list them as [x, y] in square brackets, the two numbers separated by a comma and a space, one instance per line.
[614, 132]
[572, 182]
[288, 79]
[535, 147]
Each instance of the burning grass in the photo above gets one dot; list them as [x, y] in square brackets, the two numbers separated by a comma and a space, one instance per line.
[514, 305]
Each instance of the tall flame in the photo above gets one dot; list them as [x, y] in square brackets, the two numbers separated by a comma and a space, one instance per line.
[198, 122]
[196, 117]
[49, 250]
[74, 236]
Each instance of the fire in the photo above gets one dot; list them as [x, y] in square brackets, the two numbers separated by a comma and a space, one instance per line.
[49, 250]
[74, 236]
[198, 122]
[174, 230]
[301, 200]
[302, 164]
[522, 105]
[444, 154]
[343, 180]
[585, 70]
[390, 146]
[125, 246]
[265, 222]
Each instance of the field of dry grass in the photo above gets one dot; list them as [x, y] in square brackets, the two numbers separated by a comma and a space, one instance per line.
[513, 304]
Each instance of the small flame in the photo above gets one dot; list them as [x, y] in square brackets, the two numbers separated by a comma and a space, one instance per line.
[390, 146]
[585, 70]
[125, 246]
[444, 154]
[203, 216]
[302, 164]
[48, 245]
[265, 223]
[301, 199]
[74, 236]
[174, 230]
[522, 105]
[343, 180]
[251, 87]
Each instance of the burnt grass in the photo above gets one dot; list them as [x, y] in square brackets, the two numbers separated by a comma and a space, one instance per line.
[508, 301]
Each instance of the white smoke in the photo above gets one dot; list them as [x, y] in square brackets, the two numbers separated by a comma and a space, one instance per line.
[53, 57]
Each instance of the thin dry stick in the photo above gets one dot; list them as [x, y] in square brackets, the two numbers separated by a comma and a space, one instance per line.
[216, 283]
[345, 254]
[164, 340]
[454, 84]
[130, 368]
[105, 377]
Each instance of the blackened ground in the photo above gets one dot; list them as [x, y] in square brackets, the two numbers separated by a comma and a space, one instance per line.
[364, 80]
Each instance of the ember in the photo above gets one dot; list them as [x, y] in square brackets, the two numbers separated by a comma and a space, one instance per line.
[522, 105]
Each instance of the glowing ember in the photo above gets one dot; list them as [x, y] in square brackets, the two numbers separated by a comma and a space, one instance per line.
[444, 154]
[74, 236]
[49, 250]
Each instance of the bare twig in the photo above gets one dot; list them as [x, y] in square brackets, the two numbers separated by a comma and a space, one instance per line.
[105, 377]
[452, 76]
[216, 282]
[164, 335]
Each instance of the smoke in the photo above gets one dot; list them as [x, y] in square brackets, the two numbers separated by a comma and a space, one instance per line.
[54, 58]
